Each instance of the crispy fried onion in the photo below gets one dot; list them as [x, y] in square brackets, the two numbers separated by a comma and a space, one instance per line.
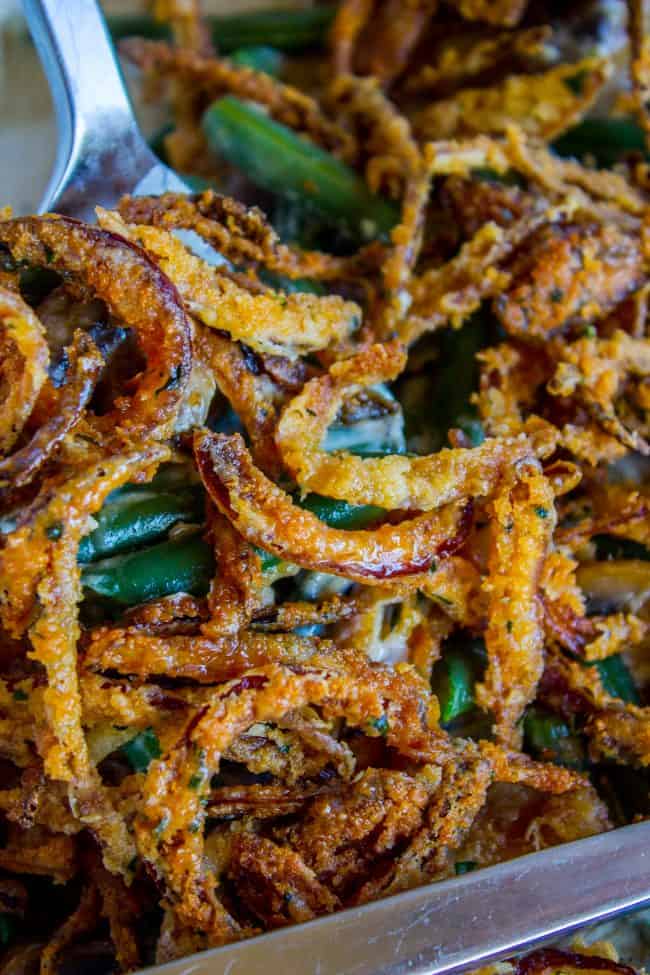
[572, 273]
[266, 516]
[40, 591]
[242, 234]
[511, 381]
[419, 483]
[135, 652]
[84, 367]
[251, 392]
[524, 519]
[169, 825]
[595, 371]
[499, 13]
[544, 105]
[396, 30]
[24, 358]
[450, 293]
[137, 293]
[211, 77]
[547, 961]
[271, 322]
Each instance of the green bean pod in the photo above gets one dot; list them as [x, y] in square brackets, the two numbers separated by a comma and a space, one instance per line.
[607, 140]
[137, 518]
[183, 564]
[274, 157]
[288, 30]
[549, 737]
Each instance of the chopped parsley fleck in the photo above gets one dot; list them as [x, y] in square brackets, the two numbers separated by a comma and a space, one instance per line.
[557, 294]
[541, 511]
[20, 695]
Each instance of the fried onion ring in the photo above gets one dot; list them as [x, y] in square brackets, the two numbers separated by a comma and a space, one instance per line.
[416, 483]
[266, 516]
[24, 356]
[138, 293]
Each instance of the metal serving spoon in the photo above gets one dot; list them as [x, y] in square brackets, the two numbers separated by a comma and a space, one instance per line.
[436, 930]
[101, 153]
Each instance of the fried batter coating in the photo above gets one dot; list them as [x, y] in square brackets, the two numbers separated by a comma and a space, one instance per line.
[524, 512]
[271, 323]
[419, 483]
[267, 748]
[266, 516]
[543, 105]
[568, 274]
[212, 77]
[594, 370]
[276, 883]
[85, 364]
[502, 13]
[242, 234]
[137, 291]
[24, 356]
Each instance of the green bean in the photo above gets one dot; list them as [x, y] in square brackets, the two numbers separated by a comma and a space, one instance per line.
[277, 159]
[261, 57]
[340, 514]
[606, 139]
[288, 30]
[547, 736]
[617, 680]
[184, 564]
[136, 519]
[141, 750]
[453, 684]
[430, 410]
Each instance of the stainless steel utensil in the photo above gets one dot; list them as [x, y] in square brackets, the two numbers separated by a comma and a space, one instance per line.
[101, 153]
[457, 924]
[436, 930]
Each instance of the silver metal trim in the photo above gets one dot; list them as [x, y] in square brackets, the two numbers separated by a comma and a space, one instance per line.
[455, 925]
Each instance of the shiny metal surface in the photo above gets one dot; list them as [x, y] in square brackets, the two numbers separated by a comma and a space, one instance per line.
[101, 153]
[455, 925]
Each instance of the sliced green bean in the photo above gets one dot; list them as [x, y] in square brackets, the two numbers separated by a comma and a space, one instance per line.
[184, 564]
[607, 140]
[549, 737]
[291, 286]
[135, 519]
[453, 684]
[7, 929]
[288, 30]
[340, 514]
[277, 159]
[430, 409]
